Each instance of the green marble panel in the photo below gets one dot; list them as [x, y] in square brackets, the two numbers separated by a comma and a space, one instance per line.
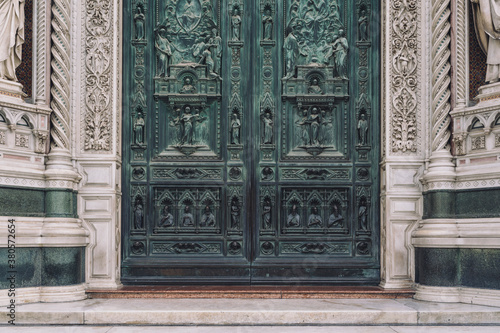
[49, 267]
[475, 268]
[477, 203]
[22, 201]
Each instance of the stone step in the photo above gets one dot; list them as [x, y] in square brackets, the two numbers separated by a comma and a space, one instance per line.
[253, 329]
[241, 312]
[341, 292]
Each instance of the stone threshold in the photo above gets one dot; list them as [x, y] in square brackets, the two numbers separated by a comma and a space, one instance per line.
[276, 292]
[241, 312]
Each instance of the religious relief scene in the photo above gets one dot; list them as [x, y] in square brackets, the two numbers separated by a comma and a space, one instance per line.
[188, 60]
[315, 77]
[185, 211]
[315, 211]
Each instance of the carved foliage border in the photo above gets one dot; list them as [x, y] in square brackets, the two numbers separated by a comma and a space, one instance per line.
[404, 53]
[98, 64]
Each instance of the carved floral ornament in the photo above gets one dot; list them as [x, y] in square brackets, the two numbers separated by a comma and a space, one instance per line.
[404, 81]
[98, 67]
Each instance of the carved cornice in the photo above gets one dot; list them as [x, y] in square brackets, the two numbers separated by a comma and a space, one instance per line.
[404, 69]
[60, 77]
[98, 70]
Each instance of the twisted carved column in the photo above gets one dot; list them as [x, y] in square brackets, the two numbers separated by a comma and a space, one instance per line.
[441, 75]
[461, 47]
[441, 169]
[41, 84]
[60, 74]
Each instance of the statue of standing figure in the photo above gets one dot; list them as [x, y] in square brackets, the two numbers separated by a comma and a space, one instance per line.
[363, 26]
[340, 48]
[12, 37]
[267, 120]
[139, 129]
[235, 129]
[291, 50]
[139, 19]
[236, 24]
[163, 51]
[362, 130]
[216, 44]
[138, 217]
[267, 21]
[487, 23]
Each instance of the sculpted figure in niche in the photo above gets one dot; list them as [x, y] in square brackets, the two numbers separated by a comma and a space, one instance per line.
[236, 24]
[314, 88]
[340, 49]
[266, 214]
[235, 214]
[187, 87]
[163, 51]
[291, 50]
[187, 218]
[139, 129]
[487, 22]
[362, 130]
[315, 219]
[208, 219]
[363, 26]
[138, 217]
[293, 219]
[11, 38]
[268, 128]
[235, 129]
[336, 219]
[167, 219]
[363, 215]
[267, 21]
[139, 18]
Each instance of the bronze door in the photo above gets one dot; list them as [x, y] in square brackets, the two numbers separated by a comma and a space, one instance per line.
[250, 150]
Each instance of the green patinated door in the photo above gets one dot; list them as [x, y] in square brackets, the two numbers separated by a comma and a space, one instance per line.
[250, 144]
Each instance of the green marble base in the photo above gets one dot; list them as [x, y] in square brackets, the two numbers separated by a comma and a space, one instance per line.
[46, 267]
[475, 268]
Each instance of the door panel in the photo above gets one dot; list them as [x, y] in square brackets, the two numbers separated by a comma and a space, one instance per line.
[250, 142]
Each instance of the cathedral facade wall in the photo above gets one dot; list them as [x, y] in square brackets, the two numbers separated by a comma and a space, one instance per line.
[61, 154]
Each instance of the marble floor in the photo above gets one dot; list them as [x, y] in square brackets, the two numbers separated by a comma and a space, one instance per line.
[253, 329]
[239, 313]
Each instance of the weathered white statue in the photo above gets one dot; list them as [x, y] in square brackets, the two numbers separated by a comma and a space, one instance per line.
[11, 37]
[487, 22]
